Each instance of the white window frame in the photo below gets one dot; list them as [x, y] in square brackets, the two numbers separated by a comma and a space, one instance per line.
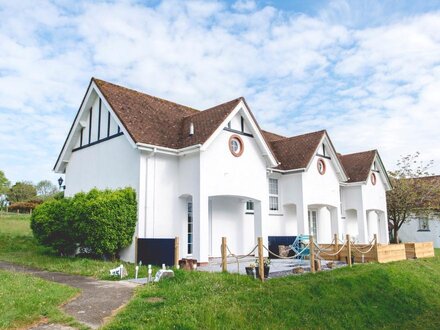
[424, 224]
[274, 196]
[190, 229]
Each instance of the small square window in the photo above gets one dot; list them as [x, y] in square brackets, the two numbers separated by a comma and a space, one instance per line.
[249, 207]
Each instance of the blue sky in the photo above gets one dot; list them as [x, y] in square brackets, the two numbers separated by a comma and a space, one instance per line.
[367, 71]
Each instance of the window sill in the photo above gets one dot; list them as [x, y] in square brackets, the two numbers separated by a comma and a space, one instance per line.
[249, 213]
[425, 230]
[276, 214]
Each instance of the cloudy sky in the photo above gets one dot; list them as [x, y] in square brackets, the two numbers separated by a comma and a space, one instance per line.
[368, 72]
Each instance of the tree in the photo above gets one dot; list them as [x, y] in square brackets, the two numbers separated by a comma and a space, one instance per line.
[4, 183]
[45, 188]
[22, 191]
[414, 193]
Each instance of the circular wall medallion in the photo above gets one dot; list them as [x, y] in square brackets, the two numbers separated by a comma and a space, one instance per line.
[373, 179]
[321, 166]
[236, 145]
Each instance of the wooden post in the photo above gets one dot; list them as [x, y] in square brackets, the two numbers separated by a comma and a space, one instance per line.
[336, 247]
[375, 240]
[312, 254]
[224, 256]
[176, 251]
[348, 250]
[260, 258]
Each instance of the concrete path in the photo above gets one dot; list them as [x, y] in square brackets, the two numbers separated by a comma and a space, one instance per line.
[98, 299]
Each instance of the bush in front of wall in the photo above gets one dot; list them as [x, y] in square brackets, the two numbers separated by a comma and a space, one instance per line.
[105, 220]
[99, 223]
[51, 224]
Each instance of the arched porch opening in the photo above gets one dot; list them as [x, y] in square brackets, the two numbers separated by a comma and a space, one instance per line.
[323, 222]
[238, 218]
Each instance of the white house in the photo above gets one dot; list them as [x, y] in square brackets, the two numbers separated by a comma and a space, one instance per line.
[201, 175]
[426, 227]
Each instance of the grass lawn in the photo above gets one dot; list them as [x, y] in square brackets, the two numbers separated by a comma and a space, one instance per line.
[26, 299]
[17, 245]
[403, 294]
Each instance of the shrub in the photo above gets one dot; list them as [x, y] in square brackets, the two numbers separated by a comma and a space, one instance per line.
[99, 222]
[52, 225]
[105, 220]
[24, 207]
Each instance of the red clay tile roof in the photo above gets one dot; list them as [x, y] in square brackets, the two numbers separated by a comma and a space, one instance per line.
[297, 151]
[358, 165]
[270, 137]
[159, 122]
[205, 123]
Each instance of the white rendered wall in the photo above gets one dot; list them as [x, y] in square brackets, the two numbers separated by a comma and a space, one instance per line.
[223, 174]
[322, 190]
[110, 164]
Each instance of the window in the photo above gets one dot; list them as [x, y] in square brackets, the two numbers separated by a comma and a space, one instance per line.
[273, 195]
[249, 207]
[236, 145]
[313, 229]
[423, 225]
[321, 166]
[190, 228]
[373, 179]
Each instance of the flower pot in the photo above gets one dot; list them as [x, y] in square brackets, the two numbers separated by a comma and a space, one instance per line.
[266, 271]
[250, 271]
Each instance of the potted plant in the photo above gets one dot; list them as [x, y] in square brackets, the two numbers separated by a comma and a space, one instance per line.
[266, 263]
[250, 270]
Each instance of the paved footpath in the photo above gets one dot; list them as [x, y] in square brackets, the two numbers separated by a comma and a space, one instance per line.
[97, 301]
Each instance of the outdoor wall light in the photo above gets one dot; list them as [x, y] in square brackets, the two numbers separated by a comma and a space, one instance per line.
[60, 182]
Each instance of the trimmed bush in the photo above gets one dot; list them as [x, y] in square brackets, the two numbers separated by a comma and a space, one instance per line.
[99, 223]
[52, 223]
[105, 220]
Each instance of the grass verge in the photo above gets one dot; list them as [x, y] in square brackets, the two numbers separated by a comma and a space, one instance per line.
[17, 245]
[26, 299]
[403, 295]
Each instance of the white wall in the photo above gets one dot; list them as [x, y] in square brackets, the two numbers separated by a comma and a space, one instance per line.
[223, 174]
[110, 164]
[321, 189]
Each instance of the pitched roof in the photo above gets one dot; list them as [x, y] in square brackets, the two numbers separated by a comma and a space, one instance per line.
[358, 165]
[151, 120]
[297, 151]
[270, 137]
[205, 123]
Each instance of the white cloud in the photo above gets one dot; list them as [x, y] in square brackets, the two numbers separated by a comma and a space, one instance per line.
[371, 87]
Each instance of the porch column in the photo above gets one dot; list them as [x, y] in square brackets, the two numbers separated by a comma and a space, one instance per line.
[303, 218]
[362, 225]
[336, 222]
[261, 211]
[201, 228]
[384, 237]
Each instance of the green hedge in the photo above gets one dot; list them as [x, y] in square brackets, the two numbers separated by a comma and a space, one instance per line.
[98, 222]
